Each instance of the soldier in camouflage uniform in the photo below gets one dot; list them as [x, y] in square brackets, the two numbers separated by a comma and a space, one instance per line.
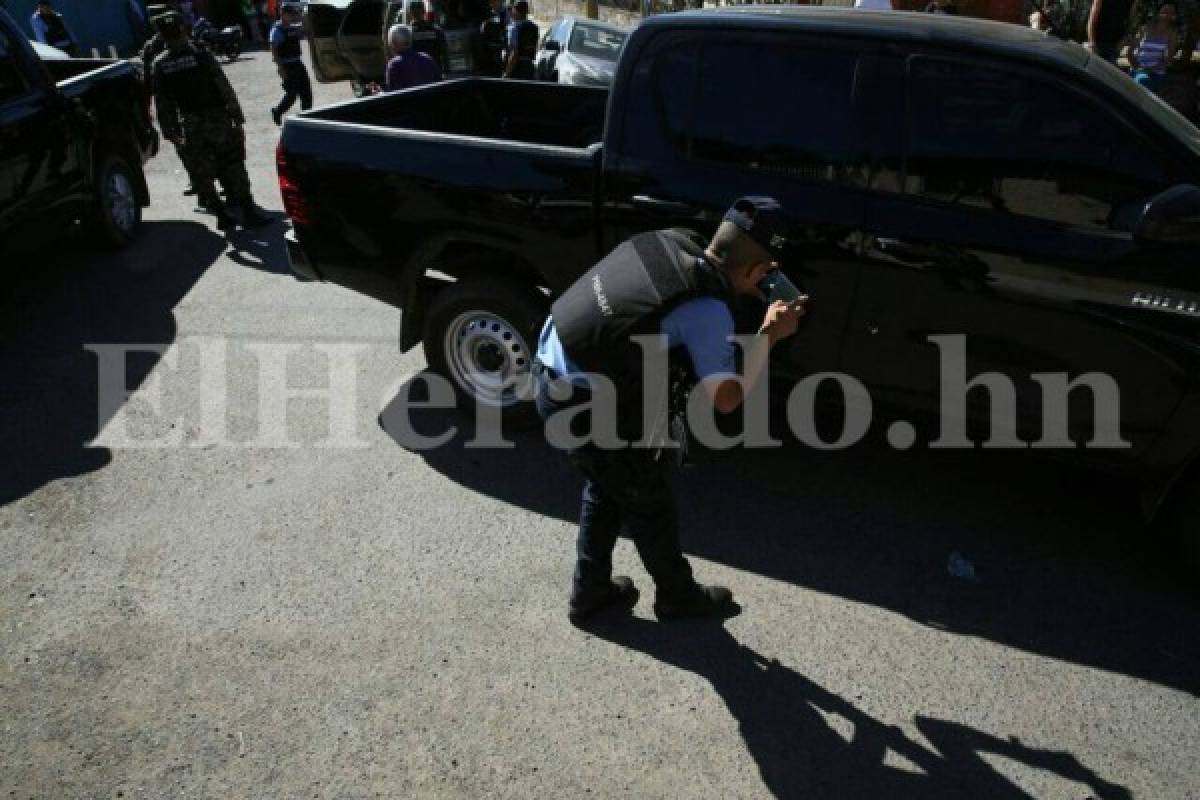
[150, 51]
[198, 111]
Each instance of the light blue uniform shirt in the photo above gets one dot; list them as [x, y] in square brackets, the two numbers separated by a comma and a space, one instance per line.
[702, 326]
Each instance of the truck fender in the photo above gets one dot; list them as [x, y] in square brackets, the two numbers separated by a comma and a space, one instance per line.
[417, 288]
[1157, 498]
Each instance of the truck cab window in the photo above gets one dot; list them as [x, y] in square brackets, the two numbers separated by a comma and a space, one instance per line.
[1012, 143]
[792, 109]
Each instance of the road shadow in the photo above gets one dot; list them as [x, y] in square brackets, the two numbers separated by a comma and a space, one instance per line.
[1062, 568]
[53, 308]
[782, 718]
[262, 248]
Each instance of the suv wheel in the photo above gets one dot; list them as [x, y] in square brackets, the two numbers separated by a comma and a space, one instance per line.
[118, 214]
[482, 336]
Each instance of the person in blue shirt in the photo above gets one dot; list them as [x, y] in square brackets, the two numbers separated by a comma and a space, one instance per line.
[408, 67]
[50, 28]
[285, 38]
[663, 282]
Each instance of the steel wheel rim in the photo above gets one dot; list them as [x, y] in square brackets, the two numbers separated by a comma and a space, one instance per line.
[488, 358]
[121, 203]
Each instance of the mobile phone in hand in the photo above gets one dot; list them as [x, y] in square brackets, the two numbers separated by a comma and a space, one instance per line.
[776, 286]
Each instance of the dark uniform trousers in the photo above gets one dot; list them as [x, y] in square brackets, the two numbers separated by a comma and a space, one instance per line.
[627, 489]
[217, 151]
[295, 84]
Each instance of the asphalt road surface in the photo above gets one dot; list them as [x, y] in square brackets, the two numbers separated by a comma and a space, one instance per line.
[214, 614]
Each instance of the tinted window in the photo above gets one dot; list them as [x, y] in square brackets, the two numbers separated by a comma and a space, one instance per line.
[1011, 143]
[596, 42]
[776, 108]
[675, 82]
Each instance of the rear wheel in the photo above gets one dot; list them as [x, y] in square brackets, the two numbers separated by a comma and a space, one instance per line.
[482, 335]
[117, 217]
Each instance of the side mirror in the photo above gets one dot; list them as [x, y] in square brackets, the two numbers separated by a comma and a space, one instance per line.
[1171, 218]
[553, 46]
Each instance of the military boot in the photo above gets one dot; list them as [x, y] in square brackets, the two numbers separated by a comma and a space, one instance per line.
[225, 221]
[695, 601]
[255, 217]
[586, 603]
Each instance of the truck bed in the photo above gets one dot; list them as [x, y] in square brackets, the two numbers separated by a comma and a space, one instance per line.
[516, 111]
[506, 164]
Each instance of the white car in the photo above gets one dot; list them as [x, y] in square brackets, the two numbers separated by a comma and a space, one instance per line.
[581, 52]
[47, 53]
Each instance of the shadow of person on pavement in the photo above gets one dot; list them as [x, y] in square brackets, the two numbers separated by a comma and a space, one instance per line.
[1059, 570]
[52, 311]
[782, 718]
[262, 248]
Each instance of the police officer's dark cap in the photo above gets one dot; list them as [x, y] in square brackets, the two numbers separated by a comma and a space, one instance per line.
[760, 218]
[168, 21]
[521, 5]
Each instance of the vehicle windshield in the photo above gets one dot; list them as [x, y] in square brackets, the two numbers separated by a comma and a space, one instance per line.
[598, 43]
[1151, 103]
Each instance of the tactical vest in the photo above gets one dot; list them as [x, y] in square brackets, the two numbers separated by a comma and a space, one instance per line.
[627, 294]
[151, 51]
[56, 31]
[290, 49]
[527, 36]
[492, 34]
[425, 40]
[186, 76]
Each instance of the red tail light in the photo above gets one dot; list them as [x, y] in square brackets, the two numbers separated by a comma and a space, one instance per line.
[293, 199]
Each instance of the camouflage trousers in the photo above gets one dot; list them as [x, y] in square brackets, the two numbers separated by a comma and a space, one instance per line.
[216, 150]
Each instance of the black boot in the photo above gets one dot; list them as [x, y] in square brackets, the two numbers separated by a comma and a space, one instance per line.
[225, 221]
[695, 601]
[255, 217]
[586, 603]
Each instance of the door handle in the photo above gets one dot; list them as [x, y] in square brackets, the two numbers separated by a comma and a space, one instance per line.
[660, 206]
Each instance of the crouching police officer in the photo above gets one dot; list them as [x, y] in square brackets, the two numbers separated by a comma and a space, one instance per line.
[522, 44]
[664, 282]
[198, 110]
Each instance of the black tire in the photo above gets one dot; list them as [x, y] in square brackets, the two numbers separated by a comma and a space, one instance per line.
[116, 219]
[482, 336]
[1181, 525]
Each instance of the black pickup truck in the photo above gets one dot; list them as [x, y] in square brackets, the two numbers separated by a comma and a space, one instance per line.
[74, 135]
[942, 176]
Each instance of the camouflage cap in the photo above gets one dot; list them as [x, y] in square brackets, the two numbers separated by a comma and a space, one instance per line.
[168, 21]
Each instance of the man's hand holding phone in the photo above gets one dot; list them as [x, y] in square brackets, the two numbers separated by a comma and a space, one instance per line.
[783, 318]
